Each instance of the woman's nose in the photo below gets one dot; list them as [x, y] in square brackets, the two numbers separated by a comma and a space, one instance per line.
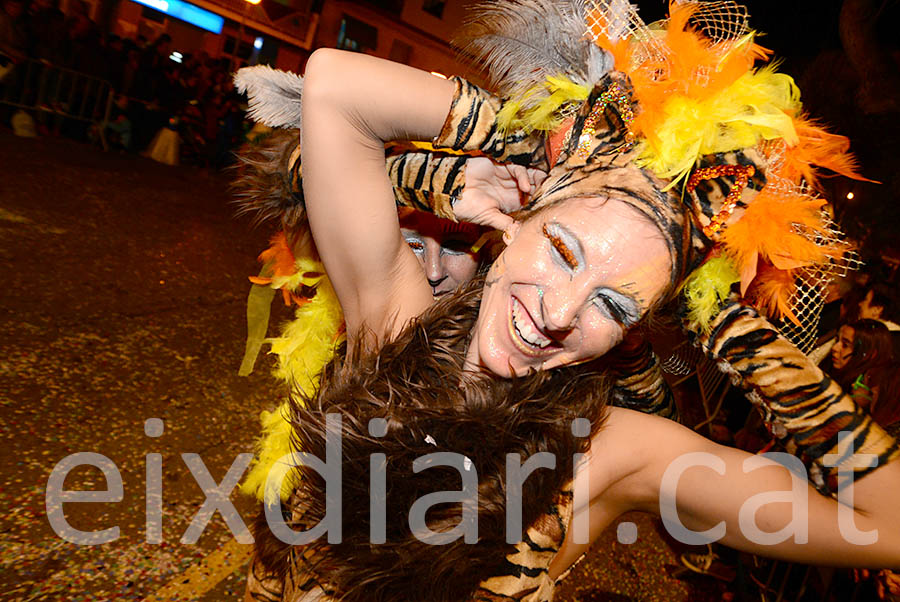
[560, 307]
[434, 271]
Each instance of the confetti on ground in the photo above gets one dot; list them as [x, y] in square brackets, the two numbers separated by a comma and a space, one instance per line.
[205, 575]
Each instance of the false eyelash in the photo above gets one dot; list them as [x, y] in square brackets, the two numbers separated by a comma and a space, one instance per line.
[561, 248]
[614, 311]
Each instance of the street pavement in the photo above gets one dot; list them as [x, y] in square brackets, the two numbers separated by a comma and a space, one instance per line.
[123, 300]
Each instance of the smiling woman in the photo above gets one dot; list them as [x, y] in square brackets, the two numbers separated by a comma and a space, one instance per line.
[569, 284]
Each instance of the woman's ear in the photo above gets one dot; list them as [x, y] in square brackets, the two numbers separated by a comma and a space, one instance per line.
[511, 232]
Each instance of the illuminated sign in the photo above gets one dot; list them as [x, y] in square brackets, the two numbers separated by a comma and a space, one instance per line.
[188, 13]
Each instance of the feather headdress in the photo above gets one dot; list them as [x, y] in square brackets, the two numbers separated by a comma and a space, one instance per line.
[699, 114]
[532, 58]
[700, 98]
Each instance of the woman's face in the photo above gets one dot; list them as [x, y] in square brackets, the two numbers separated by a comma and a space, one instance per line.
[842, 350]
[444, 250]
[573, 278]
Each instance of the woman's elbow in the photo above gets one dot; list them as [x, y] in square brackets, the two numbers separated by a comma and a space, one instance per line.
[325, 71]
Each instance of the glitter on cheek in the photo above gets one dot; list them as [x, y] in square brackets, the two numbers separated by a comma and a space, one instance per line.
[599, 335]
[528, 262]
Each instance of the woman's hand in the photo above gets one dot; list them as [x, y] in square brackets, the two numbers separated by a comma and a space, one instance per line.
[494, 190]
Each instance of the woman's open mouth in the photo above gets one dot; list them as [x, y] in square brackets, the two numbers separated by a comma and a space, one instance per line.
[524, 332]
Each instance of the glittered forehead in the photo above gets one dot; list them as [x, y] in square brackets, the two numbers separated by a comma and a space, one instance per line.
[637, 187]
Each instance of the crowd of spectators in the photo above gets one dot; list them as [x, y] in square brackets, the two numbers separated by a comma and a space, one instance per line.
[860, 349]
[151, 91]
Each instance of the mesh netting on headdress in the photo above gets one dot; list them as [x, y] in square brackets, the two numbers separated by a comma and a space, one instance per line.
[617, 20]
[811, 287]
[720, 21]
[811, 282]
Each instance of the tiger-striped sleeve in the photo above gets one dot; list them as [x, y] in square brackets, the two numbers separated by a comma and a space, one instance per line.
[421, 180]
[801, 404]
[427, 181]
[525, 574]
[639, 381]
[471, 125]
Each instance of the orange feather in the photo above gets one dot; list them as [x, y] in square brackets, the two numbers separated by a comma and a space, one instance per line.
[770, 231]
[280, 256]
[818, 147]
[773, 292]
[281, 260]
[682, 62]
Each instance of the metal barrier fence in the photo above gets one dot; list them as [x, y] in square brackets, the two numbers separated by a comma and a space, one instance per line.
[39, 86]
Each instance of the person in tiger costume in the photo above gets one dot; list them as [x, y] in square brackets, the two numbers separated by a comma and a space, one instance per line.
[418, 377]
[450, 253]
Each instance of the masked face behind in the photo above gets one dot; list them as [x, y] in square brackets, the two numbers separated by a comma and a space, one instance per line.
[444, 249]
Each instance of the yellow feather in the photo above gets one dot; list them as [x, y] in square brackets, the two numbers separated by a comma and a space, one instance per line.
[305, 346]
[273, 444]
[542, 115]
[706, 288]
[507, 116]
[757, 106]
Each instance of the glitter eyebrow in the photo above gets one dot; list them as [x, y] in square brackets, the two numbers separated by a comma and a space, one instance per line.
[630, 307]
[566, 244]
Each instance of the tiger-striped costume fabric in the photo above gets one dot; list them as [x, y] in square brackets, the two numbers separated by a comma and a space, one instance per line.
[471, 126]
[801, 404]
[427, 181]
[639, 383]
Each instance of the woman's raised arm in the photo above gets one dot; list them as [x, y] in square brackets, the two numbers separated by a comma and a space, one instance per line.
[352, 104]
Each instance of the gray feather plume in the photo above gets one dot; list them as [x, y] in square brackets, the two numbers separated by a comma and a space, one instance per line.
[275, 96]
[521, 42]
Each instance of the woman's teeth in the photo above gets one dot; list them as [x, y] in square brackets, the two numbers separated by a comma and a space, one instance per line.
[525, 329]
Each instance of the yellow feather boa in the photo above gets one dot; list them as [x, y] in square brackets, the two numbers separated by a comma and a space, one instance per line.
[304, 348]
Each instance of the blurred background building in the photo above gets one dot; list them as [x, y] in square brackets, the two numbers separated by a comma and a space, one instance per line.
[282, 33]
